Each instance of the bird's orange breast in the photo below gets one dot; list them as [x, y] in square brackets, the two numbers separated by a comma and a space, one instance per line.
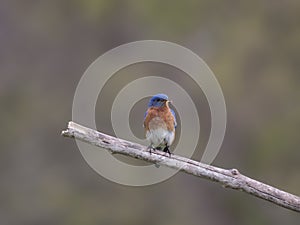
[159, 117]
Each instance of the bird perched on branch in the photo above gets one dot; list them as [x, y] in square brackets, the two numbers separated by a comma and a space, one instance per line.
[160, 123]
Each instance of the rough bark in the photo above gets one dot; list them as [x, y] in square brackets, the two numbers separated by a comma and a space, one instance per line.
[229, 178]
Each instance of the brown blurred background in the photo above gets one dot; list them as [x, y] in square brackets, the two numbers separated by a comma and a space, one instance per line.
[253, 47]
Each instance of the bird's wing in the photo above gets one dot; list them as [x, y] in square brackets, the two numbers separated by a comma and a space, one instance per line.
[145, 115]
[174, 117]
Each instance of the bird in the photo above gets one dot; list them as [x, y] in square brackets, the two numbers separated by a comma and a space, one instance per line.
[160, 123]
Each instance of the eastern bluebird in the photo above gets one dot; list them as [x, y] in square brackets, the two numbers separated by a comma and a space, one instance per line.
[160, 123]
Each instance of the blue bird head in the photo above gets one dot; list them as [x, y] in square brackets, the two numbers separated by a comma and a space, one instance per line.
[158, 100]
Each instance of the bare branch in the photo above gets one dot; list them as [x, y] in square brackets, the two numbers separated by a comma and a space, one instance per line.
[228, 178]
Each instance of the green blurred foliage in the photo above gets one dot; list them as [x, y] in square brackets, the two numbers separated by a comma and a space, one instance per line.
[253, 47]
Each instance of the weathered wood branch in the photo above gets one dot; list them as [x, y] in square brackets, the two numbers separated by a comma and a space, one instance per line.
[230, 178]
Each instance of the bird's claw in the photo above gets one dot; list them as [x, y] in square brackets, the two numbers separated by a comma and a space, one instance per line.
[167, 150]
[150, 148]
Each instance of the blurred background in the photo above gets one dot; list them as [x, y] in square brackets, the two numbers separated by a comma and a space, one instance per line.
[253, 47]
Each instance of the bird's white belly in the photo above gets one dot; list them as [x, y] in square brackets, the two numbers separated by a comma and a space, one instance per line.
[160, 137]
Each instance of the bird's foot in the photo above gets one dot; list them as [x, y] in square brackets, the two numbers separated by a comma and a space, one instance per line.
[167, 150]
[150, 148]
